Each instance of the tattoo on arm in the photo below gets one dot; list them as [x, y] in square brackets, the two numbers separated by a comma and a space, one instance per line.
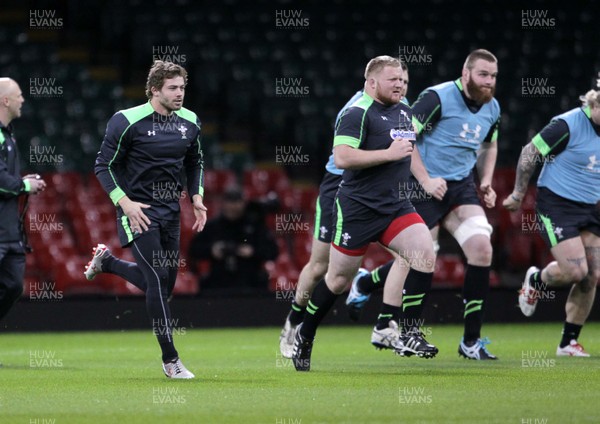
[576, 261]
[525, 167]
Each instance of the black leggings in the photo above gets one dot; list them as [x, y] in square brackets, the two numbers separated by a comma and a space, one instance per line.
[156, 253]
[12, 270]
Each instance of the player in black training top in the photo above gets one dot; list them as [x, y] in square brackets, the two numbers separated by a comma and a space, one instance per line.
[372, 144]
[139, 165]
[12, 188]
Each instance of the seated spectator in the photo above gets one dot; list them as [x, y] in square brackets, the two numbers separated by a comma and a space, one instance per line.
[236, 244]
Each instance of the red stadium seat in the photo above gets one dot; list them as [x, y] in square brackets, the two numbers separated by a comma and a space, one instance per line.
[258, 182]
[302, 246]
[186, 284]
[449, 271]
[503, 182]
[217, 180]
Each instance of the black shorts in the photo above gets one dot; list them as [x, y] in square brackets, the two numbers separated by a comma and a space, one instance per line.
[324, 212]
[562, 219]
[158, 217]
[357, 225]
[433, 211]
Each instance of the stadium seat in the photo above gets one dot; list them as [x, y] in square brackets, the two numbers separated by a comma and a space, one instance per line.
[449, 271]
[302, 246]
[217, 180]
[186, 284]
[262, 181]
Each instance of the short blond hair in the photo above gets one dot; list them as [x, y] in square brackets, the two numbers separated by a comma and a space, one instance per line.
[591, 98]
[479, 54]
[376, 64]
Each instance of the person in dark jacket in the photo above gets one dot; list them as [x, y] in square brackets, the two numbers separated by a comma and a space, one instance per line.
[236, 243]
[12, 186]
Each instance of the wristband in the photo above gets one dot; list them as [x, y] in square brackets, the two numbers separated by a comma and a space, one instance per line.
[516, 199]
[26, 186]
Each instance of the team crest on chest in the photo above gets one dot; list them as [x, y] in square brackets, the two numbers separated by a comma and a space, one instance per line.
[182, 129]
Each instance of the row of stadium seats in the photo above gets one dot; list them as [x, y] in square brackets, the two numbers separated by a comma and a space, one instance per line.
[74, 213]
[235, 52]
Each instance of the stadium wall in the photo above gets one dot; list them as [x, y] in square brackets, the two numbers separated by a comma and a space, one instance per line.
[125, 313]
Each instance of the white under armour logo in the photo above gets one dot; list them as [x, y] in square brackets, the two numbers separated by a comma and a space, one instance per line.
[466, 130]
[593, 162]
[151, 133]
[384, 118]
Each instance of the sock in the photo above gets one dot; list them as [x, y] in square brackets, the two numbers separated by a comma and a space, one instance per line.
[570, 332]
[388, 313]
[416, 287]
[535, 281]
[319, 304]
[375, 279]
[475, 290]
[296, 313]
[168, 351]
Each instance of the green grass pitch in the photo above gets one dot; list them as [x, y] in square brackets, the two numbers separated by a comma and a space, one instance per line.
[115, 377]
